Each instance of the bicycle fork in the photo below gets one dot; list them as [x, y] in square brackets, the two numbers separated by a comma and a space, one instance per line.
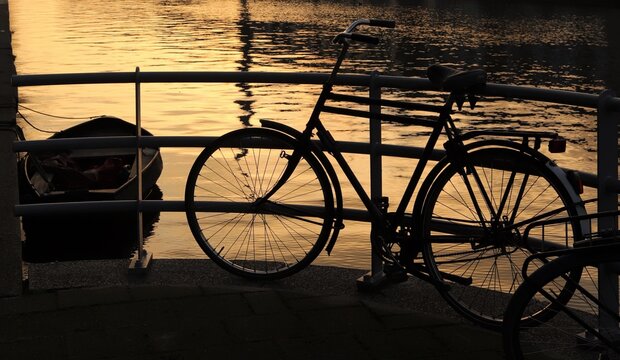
[293, 160]
[495, 224]
[500, 218]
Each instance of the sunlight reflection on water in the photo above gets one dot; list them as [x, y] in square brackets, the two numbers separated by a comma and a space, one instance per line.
[533, 45]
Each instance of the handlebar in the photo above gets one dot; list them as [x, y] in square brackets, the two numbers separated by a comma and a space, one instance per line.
[382, 23]
[364, 38]
[349, 34]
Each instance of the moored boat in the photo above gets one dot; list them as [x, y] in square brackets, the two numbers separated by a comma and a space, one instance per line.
[89, 174]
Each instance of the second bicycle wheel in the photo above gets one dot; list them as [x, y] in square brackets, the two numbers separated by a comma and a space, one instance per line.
[576, 331]
[240, 232]
[472, 224]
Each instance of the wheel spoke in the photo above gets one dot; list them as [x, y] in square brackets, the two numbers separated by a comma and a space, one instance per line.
[574, 330]
[473, 227]
[266, 238]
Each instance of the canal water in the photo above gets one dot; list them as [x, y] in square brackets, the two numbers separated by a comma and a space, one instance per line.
[529, 44]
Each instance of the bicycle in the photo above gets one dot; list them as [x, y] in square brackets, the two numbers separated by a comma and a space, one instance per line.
[581, 325]
[263, 202]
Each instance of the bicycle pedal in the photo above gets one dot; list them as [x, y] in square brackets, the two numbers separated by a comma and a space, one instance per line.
[398, 277]
[395, 273]
[472, 101]
[460, 100]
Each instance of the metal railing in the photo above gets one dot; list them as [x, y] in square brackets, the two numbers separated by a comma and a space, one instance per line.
[606, 104]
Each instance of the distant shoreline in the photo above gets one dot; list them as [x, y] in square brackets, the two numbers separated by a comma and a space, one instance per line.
[580, 3]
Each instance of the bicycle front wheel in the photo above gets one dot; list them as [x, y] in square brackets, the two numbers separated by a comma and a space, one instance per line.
[472, 224]
[575, 332]
[235, 227]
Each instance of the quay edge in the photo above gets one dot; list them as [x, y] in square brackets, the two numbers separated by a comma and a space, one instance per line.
[10, 236]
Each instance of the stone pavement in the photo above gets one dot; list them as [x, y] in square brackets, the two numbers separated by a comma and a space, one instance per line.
[145, 320]
[192, 310]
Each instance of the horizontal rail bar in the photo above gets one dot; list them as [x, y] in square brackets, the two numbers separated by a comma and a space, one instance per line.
[411, 152]
[491, 89]
[509, 91]
[188, 77]
[104, 142]
[407, 120]
[86, 207]
[195, 141]
[90, 207]
[545, 95]
[435, 109]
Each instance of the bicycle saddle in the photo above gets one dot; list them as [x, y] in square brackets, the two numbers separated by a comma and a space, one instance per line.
[449, 79]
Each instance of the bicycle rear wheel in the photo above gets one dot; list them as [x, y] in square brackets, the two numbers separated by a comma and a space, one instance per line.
[473, 244]
[574, 332]
[262, 240]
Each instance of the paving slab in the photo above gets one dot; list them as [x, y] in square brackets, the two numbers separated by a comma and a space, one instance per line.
[165, 315]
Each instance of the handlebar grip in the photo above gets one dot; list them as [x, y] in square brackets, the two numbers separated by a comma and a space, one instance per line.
[383, 23]
[365, 38]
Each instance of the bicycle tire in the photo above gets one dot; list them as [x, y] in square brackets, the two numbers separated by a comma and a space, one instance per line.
[268, 241]
[480, 257]
[563, 335]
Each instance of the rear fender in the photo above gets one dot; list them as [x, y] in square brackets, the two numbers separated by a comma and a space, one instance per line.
[500, 143]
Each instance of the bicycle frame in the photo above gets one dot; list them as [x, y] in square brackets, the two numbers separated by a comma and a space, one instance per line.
[481, 228]
[386, 229]
[455, 151]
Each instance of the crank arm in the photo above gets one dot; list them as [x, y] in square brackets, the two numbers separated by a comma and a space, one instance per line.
[421, 272]
[267, 206]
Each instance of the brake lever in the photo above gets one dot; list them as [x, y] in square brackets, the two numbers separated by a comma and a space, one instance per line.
[473, 99]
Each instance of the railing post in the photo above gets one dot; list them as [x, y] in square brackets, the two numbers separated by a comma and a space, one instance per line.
[607, 169]
[376, 277]
[10, 237]
[143, 259]
[376, 165]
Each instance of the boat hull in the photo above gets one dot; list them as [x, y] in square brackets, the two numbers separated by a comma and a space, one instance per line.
[65, 237]
[89, 174]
